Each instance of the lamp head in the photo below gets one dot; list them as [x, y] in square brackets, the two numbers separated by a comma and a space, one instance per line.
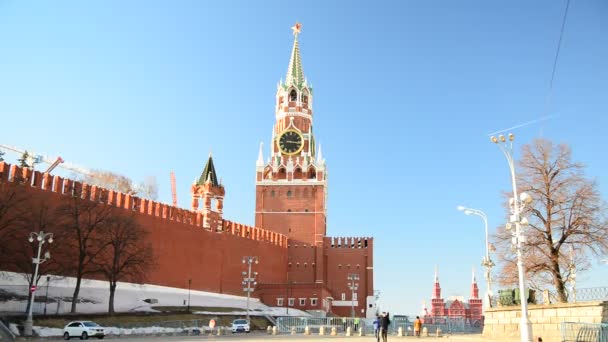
[525, 198]
[468, 212]
[524, 221]
[460, 207]
[511, 137]
[502, 138]
[47, 255]
[39, 238]
[30, 239]
[494, 140]
[51, 239]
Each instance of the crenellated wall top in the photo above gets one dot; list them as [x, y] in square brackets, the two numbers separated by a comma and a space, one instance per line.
[140, 206]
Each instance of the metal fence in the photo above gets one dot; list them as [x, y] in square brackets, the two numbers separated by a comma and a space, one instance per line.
[584, 332]
[286, 324]
[445, 324]
[591, 294]
[48, 299]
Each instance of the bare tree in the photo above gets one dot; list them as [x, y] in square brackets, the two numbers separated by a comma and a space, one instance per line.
[112, 181]
[128, 256]
[148, 188]
[566, 215]
[12, 199]
[83, 223]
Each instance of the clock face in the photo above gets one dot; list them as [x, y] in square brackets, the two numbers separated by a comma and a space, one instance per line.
[291, 142]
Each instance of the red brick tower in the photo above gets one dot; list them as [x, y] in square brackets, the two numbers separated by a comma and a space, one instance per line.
[475, 303]
[437, 304]
[211, 193]
[291, 193]
[291, 186]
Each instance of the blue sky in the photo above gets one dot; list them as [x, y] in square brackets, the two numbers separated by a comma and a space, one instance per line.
[405, 95]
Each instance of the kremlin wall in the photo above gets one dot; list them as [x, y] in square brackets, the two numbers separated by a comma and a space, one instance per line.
[183, 249]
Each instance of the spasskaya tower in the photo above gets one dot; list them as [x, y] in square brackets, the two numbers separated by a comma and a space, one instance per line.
[291, 194]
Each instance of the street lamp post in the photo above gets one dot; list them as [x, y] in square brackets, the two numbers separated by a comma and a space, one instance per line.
[517, 204]
[487, 261]
[249, 281]
[41, 237]
[189, 284]
[46, 298]
[353, 286]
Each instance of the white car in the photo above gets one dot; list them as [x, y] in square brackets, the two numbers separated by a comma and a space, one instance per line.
[240, 325]
[83, 329]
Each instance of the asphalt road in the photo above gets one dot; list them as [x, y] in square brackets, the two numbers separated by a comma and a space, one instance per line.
[259, 337]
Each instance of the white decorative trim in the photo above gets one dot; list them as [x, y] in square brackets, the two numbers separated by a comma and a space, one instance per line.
[283, 182]
[345, 303]
[300, 114]
[290, 212]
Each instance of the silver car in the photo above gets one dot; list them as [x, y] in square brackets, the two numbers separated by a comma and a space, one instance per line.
[240, 325]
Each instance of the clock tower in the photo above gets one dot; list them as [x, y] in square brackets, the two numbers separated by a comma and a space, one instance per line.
[291, 185]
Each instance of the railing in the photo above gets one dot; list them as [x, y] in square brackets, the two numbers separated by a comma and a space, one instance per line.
[584, 332]
[286, 324]
[582, 295]
[445, 324]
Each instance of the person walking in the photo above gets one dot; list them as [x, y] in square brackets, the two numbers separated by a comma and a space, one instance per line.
[417, 326]
[377, 328]
[384, 323]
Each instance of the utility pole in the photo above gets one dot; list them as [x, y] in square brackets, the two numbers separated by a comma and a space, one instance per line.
[189, 284]
[249, 281]
[353, 286]
[41, 237]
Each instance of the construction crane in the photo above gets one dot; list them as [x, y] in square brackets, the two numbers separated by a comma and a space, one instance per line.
[173, 189]
[59, 162]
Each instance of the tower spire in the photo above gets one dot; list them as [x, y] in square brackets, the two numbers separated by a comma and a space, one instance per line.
[295, 74]
[436, 274]
[474, 280]
[260, 161]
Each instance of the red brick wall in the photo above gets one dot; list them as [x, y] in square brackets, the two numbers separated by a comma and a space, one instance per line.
[183, 249]
[343, 257]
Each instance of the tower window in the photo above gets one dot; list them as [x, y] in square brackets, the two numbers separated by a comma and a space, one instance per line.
[289, 193]
[306, 210]
[288, 210]
[272, 193]
[293, 95]
[305, 99]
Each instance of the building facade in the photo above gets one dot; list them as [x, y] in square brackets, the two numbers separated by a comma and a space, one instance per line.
[291, 199]
[470, 310]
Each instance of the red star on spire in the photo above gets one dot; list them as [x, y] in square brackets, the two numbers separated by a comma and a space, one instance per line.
[296, 28]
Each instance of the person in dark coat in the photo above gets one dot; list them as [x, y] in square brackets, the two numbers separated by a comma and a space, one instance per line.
[384, 323]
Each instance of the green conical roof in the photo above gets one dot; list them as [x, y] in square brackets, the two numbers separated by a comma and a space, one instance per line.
[208, 173]
[295, 74]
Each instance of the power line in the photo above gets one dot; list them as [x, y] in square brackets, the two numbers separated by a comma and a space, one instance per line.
[559, 45]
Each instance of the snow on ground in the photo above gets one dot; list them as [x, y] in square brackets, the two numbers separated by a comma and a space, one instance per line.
[94, 295]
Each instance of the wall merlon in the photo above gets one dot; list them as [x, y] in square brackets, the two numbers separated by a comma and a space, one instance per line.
[4, 172]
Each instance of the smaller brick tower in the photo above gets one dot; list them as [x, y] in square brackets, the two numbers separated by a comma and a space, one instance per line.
[211, 193]
[437, 304]
[475, 303]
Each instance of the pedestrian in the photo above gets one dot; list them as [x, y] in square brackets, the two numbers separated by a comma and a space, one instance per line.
[384, 323]
[356, 323]
[377, 327]
[417, 326]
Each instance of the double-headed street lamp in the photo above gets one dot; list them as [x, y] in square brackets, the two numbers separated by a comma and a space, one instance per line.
[487, 261]
[517, 204]
[249, 281]
[353, 285]
[41, 237]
